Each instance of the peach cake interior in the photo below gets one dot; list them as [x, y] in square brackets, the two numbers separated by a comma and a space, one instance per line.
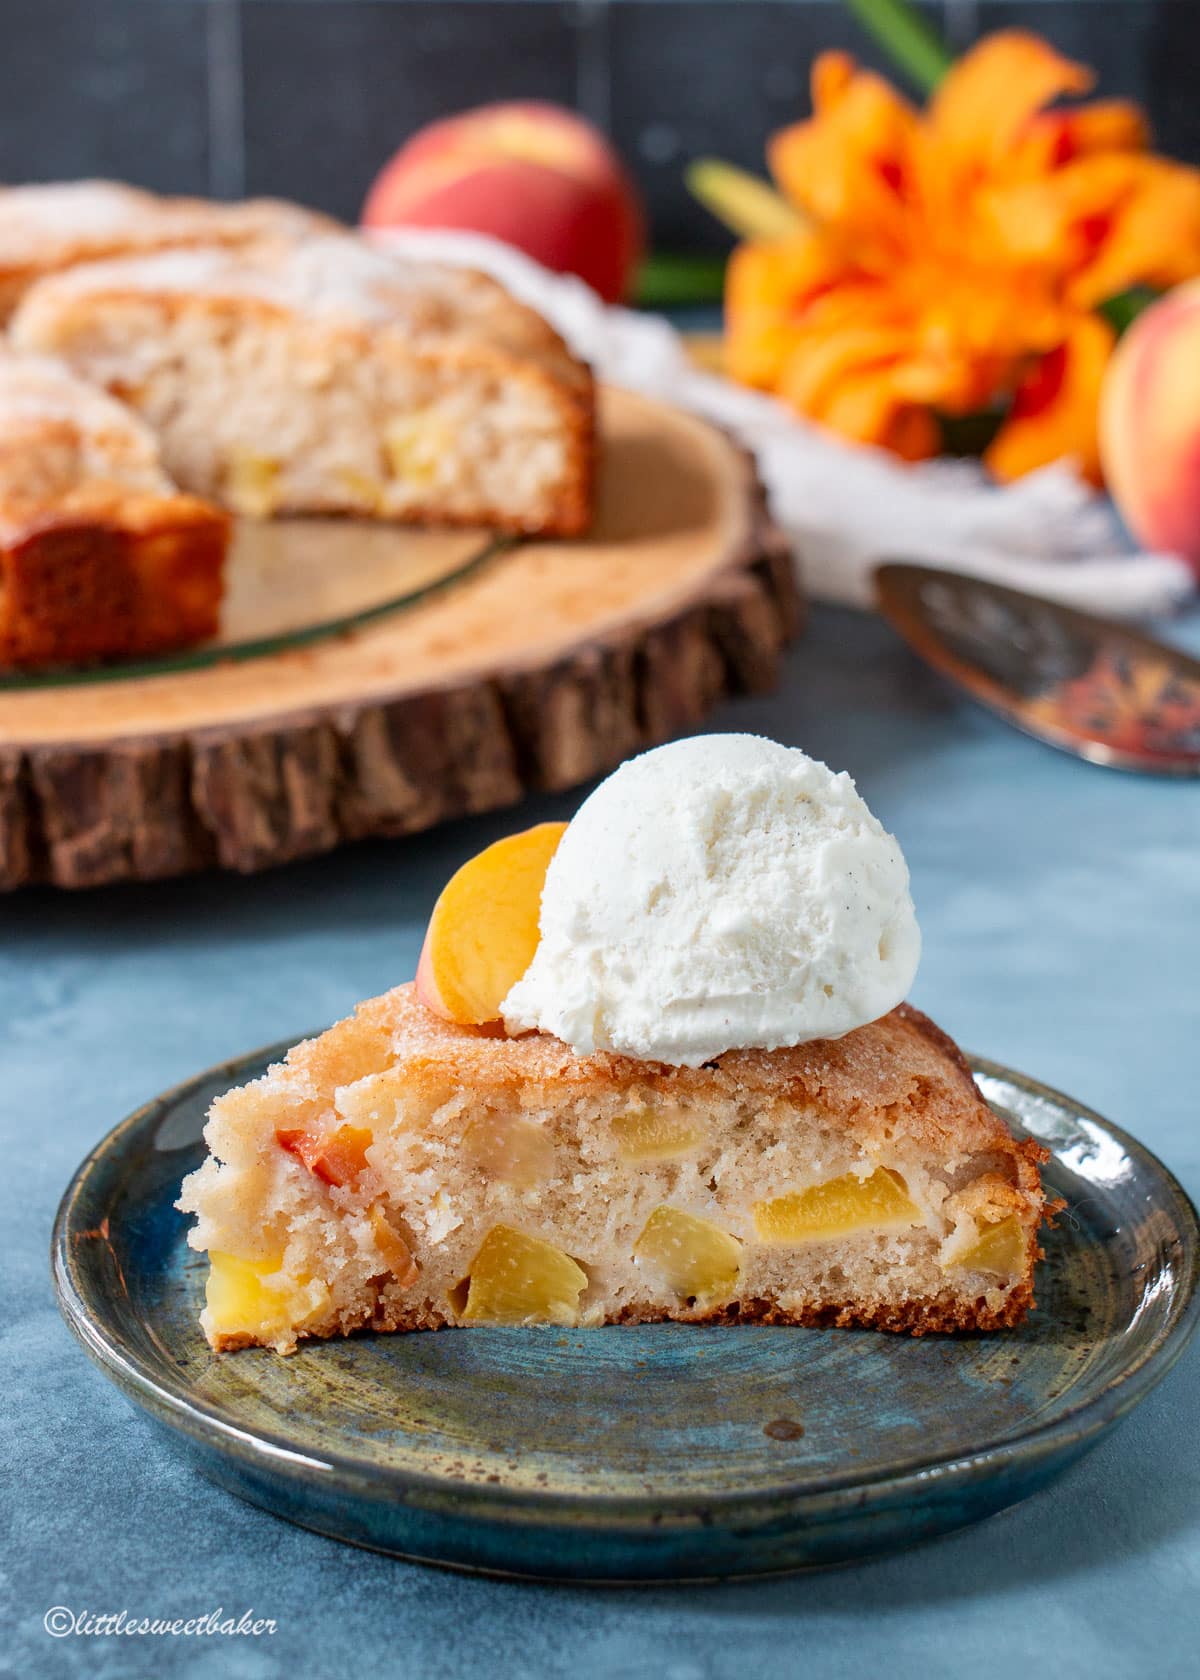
[403, 1172]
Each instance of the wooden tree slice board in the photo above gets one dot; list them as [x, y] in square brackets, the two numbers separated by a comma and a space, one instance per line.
[539, 669]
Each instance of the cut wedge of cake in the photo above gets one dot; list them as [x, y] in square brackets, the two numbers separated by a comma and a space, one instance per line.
[403, 1172]
[51, 226]
[100, 554]
[327, 375]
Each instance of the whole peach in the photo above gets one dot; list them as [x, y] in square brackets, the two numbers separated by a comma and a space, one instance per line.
[534, 175]
[1150, 425]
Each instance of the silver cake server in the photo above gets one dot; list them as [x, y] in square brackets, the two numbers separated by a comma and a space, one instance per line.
[1100, 690]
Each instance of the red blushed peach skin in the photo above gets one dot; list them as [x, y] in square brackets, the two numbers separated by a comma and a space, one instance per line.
[531, 174]
[337, 1157]
[484, 928]
[1150, 425]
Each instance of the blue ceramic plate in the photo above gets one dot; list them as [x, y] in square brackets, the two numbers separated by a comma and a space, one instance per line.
[665, 1452]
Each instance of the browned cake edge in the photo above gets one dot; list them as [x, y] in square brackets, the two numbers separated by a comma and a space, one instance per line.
[914, 1318]
[109, 573]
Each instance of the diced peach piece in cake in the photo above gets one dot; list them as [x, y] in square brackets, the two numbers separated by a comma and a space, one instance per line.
[692, 1257]
[852, 1202]
[519, 1279]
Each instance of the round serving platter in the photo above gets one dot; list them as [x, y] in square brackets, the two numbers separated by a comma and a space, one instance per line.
[656, 1453]
[330, 714]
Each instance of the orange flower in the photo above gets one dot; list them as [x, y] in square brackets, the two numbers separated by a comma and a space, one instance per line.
[951, 260]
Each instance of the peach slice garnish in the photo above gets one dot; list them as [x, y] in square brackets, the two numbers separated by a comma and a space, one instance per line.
[484, 928]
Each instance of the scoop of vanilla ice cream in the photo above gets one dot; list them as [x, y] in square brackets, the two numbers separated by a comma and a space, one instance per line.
[717, 893]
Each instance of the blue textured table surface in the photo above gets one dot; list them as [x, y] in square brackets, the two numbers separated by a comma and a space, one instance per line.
[1060, 906]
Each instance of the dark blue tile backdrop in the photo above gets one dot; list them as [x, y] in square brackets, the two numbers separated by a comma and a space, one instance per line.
[106, 87]
[307, 97]
[331, 87]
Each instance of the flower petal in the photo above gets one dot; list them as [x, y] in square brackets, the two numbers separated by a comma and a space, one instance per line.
[1055, 408]
[1057, 222]
[832, 73]
[850, 165]
[867, 408]
[768, 287]
[985, 101]
[821, 362]
[1152, 238]
[1103, 125]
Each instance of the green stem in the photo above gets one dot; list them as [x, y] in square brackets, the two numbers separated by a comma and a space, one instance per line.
[1123, 309]
[668, 281]
[911, 43]
[748, 205]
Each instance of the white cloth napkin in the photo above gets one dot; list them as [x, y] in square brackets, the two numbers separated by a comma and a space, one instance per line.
[848, 508]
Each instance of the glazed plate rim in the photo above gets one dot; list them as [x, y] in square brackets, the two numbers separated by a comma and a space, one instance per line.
[181, 1410]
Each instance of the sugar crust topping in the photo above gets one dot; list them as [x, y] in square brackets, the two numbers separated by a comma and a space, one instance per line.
[333, 276]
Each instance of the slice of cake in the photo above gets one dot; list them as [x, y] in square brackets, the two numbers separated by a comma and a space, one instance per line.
[48, 227]
[406, 1172]
[100, 555]
[654, 1066]
[328, 375]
